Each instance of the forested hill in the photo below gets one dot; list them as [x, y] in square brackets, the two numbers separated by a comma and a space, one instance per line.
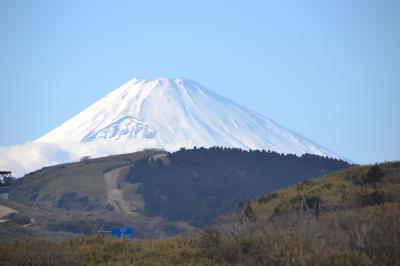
[197, 185]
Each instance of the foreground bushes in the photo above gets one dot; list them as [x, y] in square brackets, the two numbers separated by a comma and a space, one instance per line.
[37, 252]
[367, 236]
[99, 250]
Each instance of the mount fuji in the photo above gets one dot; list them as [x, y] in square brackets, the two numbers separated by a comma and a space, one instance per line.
[159, 113]
[176, 113]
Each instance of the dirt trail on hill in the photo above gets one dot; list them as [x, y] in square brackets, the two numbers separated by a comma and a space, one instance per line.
[114, 195]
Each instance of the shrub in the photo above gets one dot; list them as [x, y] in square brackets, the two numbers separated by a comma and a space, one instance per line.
[374, 175]
[268, 197]
[312, 201]
[373, 198]
[21, 219]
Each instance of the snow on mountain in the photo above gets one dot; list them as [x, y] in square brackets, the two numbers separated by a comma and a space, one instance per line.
[174, 113]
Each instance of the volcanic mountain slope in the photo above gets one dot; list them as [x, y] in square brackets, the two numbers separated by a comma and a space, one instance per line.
[175, 113]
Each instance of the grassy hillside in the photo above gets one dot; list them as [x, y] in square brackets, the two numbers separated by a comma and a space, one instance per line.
[43, 188]
[73, 199]
[357, 187]
[161, 194]
[358, 222]
[354, 228]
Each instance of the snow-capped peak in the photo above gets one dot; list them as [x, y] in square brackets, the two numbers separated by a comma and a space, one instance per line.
[175, 113]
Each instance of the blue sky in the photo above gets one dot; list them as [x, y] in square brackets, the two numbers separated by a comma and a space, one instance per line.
[329, 70]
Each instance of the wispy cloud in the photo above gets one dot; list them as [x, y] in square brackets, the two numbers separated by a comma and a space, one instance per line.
[25, 158]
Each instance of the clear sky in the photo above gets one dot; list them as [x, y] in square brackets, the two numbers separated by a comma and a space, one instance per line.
[329, 70]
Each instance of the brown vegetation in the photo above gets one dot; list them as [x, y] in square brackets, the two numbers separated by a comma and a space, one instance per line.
[368, 236]
[358, 225]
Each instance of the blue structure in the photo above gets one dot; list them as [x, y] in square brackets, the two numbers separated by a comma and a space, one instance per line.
[122, 232]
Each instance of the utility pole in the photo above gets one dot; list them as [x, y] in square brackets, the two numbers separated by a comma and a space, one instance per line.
[304, 205]
[317, 210]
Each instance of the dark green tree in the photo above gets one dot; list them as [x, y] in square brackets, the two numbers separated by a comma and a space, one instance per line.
[374, 175]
